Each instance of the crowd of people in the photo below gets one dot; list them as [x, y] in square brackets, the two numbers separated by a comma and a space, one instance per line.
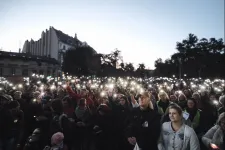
[90, 113]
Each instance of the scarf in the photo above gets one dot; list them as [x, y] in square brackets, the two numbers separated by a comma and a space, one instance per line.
[164, 105]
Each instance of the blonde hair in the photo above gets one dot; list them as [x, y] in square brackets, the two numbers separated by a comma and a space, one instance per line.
[163, 93]
[149, 96]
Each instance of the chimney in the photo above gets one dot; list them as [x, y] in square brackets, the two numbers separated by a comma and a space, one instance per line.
[19, 50]
[75, 36]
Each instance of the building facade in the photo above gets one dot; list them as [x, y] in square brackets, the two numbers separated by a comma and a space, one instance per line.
[53, 43]
[21, 64]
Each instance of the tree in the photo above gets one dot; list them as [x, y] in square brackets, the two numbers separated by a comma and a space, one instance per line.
[129, 67]
[141, 70]
[122, 66]
[112, 59]
[204, 57]
[76, 61]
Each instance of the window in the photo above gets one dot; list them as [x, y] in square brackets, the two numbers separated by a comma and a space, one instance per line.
[64, 47]
[25, 72]
[1, 72]
[13, 71]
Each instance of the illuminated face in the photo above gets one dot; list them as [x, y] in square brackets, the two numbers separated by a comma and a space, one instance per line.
[17, 96]
[83, 93]
[65, 103]
[212, 97]
[181, 97]
[174, 115]
[186, 92]
[173, 98]
[163, 97]
[122, 101]
[104, 100]
[143, 101]
[190, 104]
[196, 97]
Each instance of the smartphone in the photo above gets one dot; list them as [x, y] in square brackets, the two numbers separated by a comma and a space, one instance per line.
[214, 146]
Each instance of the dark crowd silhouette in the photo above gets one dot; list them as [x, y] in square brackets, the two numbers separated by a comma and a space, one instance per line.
[90, 113]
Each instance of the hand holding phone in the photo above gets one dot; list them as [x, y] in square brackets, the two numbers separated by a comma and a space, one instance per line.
[214, 146]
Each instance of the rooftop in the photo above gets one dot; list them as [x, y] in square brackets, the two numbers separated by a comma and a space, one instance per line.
[66, 38]
[26, 56]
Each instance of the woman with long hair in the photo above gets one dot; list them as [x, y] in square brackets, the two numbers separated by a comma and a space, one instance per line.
[175, 134]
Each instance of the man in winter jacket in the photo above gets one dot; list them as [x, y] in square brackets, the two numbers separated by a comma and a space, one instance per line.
[144, 129]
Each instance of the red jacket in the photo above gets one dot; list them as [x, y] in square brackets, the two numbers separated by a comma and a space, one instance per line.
[77, 97]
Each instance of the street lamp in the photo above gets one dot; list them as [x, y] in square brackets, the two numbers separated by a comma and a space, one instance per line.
[185, 75]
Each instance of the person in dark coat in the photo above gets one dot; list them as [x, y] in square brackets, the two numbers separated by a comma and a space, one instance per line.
[144, 129]
[104, 129]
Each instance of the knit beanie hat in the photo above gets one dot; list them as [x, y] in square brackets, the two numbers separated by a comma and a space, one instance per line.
[57, 138]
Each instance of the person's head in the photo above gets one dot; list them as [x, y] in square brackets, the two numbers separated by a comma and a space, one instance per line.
[175, 113]
[145, 100]
[66, 101]
[123, 100]
[57, 106]
[61, 92]
[196, 96]
[103, 109]
[221, 121]
[36, 94]
[82, 102]
[163, 96]
[187, 93]
[182, 97]
[17, 95]
[222, 100]
[191, 103]
[173, 98]
[103, 99]
[83, 92]
[212, 97]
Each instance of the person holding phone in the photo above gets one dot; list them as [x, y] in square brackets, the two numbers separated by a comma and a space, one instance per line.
[144, 128]
[214, 138]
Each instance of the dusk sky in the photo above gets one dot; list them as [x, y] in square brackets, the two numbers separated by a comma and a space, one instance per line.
[143, 30]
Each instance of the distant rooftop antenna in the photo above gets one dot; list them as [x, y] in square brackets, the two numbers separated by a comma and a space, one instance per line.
[75, 36]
